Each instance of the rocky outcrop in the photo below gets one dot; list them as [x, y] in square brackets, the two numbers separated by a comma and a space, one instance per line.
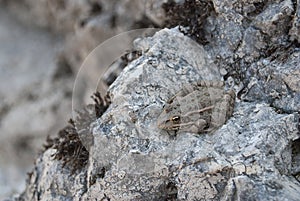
[131, 159]
[255, 155]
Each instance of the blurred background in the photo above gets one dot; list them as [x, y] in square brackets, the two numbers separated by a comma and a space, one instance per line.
[42, 45]
[33, 102]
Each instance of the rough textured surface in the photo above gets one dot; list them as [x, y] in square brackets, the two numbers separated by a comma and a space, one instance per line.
[248, 158]
[143, 143]
[254, 156]
[36, 88]
[295, 30]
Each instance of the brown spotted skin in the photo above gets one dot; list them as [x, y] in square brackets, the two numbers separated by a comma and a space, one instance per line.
[198, 108]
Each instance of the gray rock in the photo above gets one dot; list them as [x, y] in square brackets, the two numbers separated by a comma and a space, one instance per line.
[250, 157]
[34, 101]
[295, 30]
[254, 156]
[275, 82]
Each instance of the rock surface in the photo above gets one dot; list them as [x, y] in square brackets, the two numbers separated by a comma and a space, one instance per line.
[131, 159]
[254, 156]
[38, 68]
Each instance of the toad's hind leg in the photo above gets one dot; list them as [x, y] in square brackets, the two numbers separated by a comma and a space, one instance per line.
[223, 109]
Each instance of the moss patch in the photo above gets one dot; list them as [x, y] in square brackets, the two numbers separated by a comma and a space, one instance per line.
[69, 148]
[68, 145]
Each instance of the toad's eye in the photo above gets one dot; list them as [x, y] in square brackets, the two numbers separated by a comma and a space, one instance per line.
[175, 119]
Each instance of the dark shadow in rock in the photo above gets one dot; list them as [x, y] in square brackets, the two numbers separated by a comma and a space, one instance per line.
[296, 159]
